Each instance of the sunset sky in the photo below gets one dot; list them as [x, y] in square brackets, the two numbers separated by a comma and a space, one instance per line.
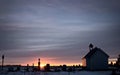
[57, 31]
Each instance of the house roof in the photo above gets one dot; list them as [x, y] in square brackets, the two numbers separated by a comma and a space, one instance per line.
[92, 52]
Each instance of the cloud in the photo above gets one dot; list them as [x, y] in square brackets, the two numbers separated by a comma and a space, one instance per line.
[58, 28]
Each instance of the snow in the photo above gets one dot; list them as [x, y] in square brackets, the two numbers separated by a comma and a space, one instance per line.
[59, 73]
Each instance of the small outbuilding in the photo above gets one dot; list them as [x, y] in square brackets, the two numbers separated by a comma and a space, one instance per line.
[95, 59]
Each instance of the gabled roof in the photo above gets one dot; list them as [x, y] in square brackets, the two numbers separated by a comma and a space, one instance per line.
[92, 52]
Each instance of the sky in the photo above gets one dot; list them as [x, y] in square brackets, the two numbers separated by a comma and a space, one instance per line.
[57, 31]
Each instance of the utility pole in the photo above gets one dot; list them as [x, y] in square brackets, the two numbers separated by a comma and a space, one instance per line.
[2, 61]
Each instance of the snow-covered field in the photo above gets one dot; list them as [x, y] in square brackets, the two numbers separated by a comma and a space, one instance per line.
[59, 73]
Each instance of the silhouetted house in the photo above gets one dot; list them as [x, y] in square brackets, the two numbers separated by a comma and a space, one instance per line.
[95, 59]
[64, 68]
[47, 67]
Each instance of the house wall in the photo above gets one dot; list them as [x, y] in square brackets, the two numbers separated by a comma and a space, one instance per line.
[99, 61]
[88, 63]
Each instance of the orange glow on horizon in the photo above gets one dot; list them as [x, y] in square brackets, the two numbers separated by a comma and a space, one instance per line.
[81, 64]
[42, 66]
[58, 64]
[52, 62]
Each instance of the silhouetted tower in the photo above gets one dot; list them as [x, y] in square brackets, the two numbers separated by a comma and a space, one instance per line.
[90, 46]
[2, 61]
[39, 64]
